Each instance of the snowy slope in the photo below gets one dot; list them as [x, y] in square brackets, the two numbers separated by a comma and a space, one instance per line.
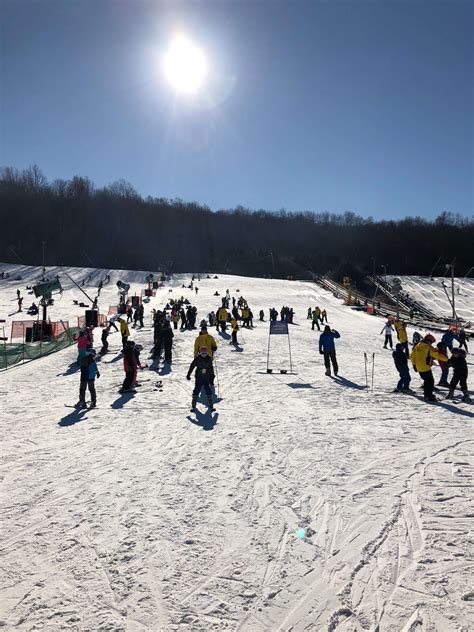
[141, 516]
[430, 292]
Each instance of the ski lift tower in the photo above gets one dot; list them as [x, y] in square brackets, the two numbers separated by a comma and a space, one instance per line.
[123, 289]
[396, 289]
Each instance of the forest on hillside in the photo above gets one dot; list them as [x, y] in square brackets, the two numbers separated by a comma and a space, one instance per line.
[79, 224]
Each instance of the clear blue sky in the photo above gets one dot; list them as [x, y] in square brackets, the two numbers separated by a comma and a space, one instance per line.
[340, 105]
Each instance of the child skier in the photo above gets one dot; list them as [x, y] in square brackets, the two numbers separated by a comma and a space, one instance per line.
[89, 372]
[458, 362]
[235, 328]
[129, 366]
[387, 329]
[204, 377]
[401, 363]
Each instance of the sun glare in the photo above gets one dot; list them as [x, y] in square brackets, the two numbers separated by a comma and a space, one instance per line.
[185, 66]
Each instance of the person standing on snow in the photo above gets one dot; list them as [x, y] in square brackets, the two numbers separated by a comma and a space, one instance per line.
[89, 372]
[315, 314]
[448, 339]
[462, 339]
[204, 377]
[167, 334]
[205, 340]
[458, 362]
[387, 329]
[402, 335]
[422, 357]
[327, 348]
[235, 328]
[124, 332]
[129, 366]
[222, 317]
[401, 364]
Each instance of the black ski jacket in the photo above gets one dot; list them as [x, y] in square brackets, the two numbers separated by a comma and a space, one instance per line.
[204, 368]
[400, 359]
[458, 364]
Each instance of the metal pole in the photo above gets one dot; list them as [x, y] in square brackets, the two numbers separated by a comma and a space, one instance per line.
[289, 347]
[43, 256]
[268, 351]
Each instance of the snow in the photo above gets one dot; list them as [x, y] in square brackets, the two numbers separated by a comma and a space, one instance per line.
[304, 503]
[431, 293]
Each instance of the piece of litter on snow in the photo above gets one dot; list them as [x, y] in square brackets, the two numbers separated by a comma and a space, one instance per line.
[300, 533]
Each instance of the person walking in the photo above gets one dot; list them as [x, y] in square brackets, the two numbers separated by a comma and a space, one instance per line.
[422, 357]
[89, 372]
[204, 377]
[129, 366]
[167, 334]
[315, 318]
[401, 363]
[327, 348]
[235, 328]
[124, 332]
[222, 317]
[387, 329]
[459, 365]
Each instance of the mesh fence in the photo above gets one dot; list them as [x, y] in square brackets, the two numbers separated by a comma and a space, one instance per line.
[11, 354]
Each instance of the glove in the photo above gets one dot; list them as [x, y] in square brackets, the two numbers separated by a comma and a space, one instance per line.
[98, 374]
[188, 377]
[321, 352]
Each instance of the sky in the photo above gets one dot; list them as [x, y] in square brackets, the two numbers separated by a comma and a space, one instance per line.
[362, 106]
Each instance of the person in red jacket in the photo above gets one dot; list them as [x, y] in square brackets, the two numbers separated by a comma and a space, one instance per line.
[129, 366]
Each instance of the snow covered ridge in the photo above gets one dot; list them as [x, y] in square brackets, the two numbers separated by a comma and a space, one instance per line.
[435, 293]
[304, 503]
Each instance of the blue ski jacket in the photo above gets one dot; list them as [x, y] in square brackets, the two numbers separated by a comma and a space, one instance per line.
[326, 341]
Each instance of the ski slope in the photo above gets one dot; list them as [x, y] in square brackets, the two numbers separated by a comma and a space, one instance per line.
[431, 293]
[304, 503]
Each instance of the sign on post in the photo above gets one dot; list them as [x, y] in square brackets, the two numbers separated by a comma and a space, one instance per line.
[278, 328]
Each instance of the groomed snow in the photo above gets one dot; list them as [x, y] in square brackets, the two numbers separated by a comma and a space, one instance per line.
[304, 503]
[433, 293]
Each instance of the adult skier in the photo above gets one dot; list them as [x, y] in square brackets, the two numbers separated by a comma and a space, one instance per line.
[202, 363]
[124, 331]
[422, 357]
[222, 317]
[205, 340]
[129, 366]
[167, 334]
[327, 348]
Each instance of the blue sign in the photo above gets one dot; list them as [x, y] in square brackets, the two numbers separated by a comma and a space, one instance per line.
[278, 327]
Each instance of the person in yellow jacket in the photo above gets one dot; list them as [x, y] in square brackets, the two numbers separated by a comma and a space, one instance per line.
[245, 316]
[205, 340]
[222, 317]
[422, 357]
[402, 335]
[124, 332]
[235, 328]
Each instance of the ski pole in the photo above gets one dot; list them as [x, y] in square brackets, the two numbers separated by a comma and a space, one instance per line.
[366, 377]
[217, 376]
[373, 366]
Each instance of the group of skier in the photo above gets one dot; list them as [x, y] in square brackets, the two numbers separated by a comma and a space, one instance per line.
[317, 316]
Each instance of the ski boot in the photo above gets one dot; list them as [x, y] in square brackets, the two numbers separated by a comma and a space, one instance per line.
[80, 405]
[450, 395]
[193, 405]
[328, 373]
[466, 399]
[430, 398]
[93, 404]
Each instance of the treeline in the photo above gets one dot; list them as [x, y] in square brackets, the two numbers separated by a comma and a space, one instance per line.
[115, 227]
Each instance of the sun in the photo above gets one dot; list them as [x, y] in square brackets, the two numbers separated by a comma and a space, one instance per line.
[185, 65]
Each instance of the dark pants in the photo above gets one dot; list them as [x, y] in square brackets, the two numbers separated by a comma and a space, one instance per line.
[223, 325]
[404, 381]
[234, 337]
[105, 346]
[330, 356]
[199, 384]
[315, 322]
[82, 390]
[175, 324]
[458, 378]
[128, 381]
[124, 341]
[428, 383]
[405, 348]
[388, 340]
[168, 353]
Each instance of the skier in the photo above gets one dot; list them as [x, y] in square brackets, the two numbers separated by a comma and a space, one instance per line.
[308, 316]
[141, 313]
[246, 316]
[129, 366]
[401, 364]
[129, 314]
[89, 372]
[235, 328]
[443, 380]
[20, 303]
[422, 359]
[327, 348]
[168, 336]
[387, 329]
[222, 317]
[137, 349]
[416, 338]
[448, 339]
[262, 315]
[315, 318]
[124, 331]
[402, 335]
[104, 336]
[205, 340]
[458, 362]
[324, 316]
[204, 377]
